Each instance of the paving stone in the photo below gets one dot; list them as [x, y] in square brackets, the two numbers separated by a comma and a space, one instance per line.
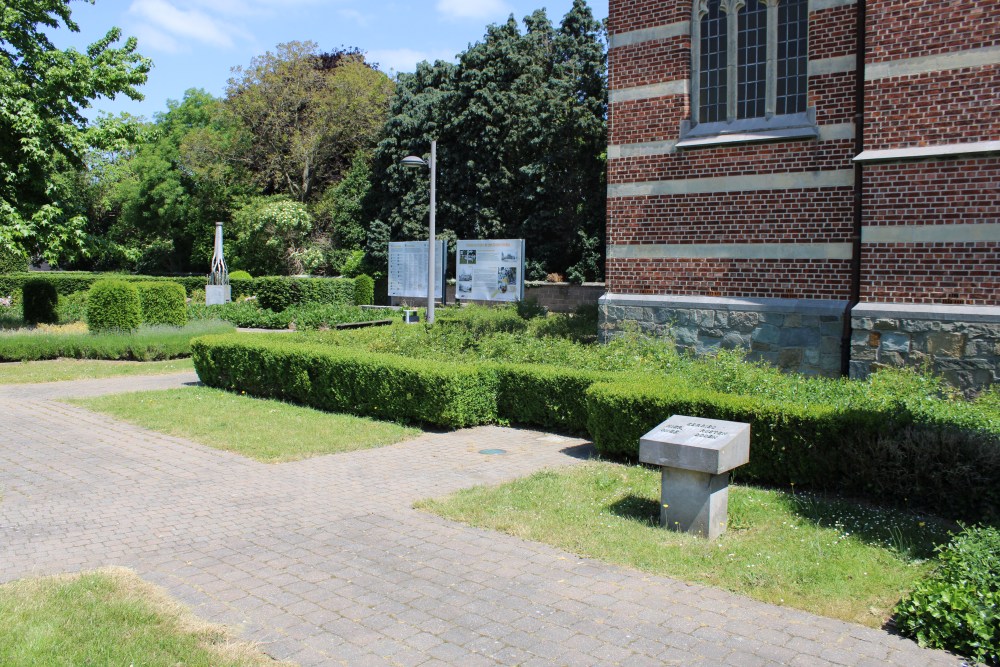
[324, 561]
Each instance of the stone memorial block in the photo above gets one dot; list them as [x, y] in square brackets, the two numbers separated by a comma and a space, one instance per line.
[695, 456]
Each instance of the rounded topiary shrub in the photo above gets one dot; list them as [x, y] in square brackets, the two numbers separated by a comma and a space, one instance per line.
[364, 290]
[163, 303]
[40, 301]
[240, 275]
[113, 305]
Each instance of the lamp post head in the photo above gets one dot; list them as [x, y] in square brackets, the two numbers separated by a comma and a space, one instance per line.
[413, 162]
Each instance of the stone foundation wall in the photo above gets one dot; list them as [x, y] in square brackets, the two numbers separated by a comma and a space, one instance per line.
[961, 343]
[793, 334]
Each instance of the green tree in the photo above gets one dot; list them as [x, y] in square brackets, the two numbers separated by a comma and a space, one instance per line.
[270, 236]
[164, 196]
[521, 129]
[42, 131]
[306, 114]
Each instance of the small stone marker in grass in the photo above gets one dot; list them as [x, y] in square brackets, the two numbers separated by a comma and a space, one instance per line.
[695, 456]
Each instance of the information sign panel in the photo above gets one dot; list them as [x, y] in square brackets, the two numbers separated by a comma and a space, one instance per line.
[408, 269]
[490, 270]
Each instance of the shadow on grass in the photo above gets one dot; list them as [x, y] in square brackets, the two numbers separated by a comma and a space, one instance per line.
[636, 508]
[911, 535]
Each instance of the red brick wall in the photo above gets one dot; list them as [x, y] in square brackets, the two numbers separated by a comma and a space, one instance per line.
[777, 216]
[768, 216]
[652, 62]
[629, 15]
[900, 29]
[953, 106]
[932, 193]
[747, 278]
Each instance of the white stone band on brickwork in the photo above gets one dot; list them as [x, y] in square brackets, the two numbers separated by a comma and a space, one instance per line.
[731, 251]
[971, 149]
[679, 87]
[649, 34]
[989, 55]
[839, 178]
[947, 233]
[836, 65]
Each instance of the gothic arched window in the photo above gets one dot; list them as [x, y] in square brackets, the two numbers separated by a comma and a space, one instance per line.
[749, 59]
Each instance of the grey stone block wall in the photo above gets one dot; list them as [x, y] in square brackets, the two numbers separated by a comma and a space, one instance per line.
[793, 334]
[961, 343]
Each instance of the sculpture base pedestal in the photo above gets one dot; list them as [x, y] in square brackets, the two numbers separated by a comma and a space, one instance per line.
[694, 502]
[216, 295]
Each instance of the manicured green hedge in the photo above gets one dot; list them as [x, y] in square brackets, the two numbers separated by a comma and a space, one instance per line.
[876, 448]
[12, 261]
[282, 290]
[545, 396]
[71, 282]
[163, 303]
[957, 608]
[40, 302]
[872, 440]
[113, 305]
[381, 386]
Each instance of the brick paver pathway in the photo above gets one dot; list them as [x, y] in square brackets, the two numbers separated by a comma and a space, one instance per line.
[324, 561]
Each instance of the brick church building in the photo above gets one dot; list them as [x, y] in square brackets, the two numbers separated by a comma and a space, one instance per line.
[817, 181]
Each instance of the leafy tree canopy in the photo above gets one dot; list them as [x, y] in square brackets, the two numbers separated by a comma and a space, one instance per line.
[306, 114]
[42, 131]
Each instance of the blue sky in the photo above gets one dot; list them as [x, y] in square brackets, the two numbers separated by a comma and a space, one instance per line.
[195, 43]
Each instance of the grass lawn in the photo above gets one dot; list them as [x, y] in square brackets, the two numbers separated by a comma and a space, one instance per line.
[266, 430]
[109, 617]
[833, 558]
[16, 372]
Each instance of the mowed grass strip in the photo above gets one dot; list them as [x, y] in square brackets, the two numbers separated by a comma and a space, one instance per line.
[23, 372]
[266, 430]
[833, 558]
[110, 617]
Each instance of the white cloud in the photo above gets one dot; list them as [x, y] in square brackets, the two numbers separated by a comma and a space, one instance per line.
[190, 24]
[404, 60]
[155, 40]
[473, 9]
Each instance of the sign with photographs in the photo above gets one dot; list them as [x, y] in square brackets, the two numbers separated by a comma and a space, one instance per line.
[408, 268]
[490, 270]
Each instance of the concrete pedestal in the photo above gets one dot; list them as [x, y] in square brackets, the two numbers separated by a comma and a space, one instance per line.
[216, 295]
[695, 456]
[694, 502]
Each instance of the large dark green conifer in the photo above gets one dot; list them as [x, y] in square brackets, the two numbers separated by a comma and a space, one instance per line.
[520, 123]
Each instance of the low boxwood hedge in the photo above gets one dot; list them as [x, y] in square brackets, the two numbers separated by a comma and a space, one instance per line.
[870, 442]
[546, 396]
[281, 289]
[381, 386]
[877, 448]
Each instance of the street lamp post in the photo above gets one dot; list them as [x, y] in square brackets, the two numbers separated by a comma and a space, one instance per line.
[413, 161]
